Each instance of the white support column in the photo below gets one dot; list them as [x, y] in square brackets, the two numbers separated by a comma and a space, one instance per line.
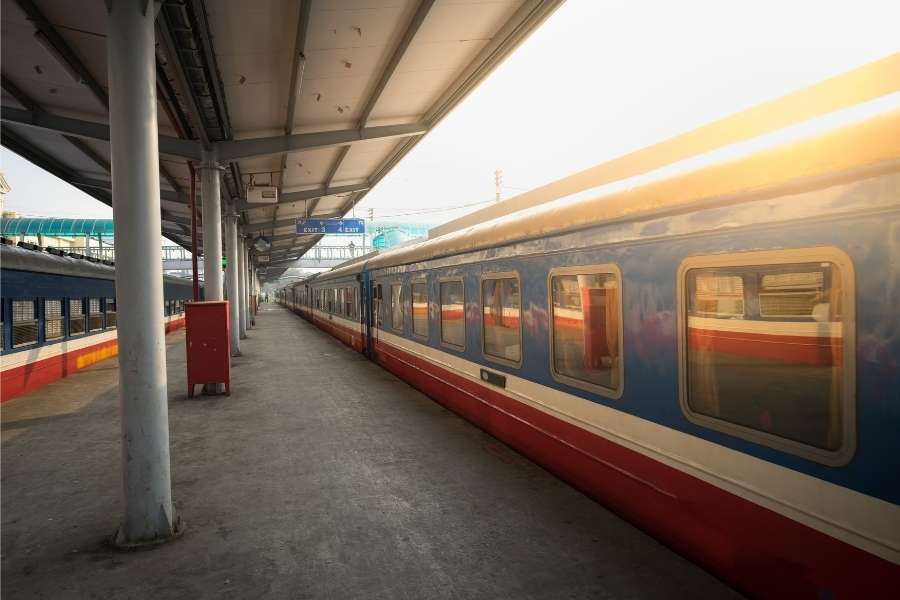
[242, 285]
[247, 266]
[143, 400]
[234, 292]
[212, 226]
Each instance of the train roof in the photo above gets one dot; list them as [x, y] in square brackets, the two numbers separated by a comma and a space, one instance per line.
[17, 258]
[852, 143]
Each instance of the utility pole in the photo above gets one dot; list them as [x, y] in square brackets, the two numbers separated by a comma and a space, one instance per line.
[371, 225]
[498, 182]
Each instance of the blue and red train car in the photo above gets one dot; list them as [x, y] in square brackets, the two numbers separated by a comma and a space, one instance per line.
[59, 315]
[713, 354]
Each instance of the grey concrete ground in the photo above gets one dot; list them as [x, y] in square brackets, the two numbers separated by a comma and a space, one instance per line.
[322, 476]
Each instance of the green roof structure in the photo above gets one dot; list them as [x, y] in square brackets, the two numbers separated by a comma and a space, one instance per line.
[57, 227]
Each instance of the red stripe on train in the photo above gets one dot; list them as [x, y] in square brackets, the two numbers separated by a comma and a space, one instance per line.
[755, 549]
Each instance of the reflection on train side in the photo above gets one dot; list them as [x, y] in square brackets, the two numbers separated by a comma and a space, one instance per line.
[765, 349]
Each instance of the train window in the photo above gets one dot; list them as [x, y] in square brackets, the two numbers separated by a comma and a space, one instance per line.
[76, 316]
[586, 334]
[396, 307]
[501, 317]
[377, 302]
[419, 305]
[768, 355]
[53, 319]
[453, 313]
[24, 323]
[95, 315]
[111, 313]
[348, 302]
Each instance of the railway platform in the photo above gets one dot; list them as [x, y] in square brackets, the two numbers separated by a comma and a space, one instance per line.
[321, 476]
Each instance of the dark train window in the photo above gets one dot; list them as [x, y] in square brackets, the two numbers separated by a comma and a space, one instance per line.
[24, 323]
[768, 349]
[111, 313]
[396, 306]
[76, 316]
[453, 314]
[54, 328]
[501, 317]
[586, 338]
[419, 305]
[348, 302]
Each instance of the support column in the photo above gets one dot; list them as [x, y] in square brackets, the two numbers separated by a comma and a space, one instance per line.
[143, 401]
[234, 292]
[242, 285]
[212, 226]
[247, 267]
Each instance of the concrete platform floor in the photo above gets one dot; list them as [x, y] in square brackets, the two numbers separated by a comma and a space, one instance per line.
[322, 476]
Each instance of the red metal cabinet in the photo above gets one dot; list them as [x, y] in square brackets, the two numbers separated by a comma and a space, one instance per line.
[208, 341]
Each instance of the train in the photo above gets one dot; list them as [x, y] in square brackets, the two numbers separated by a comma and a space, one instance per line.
[59, 314]
[712, 353]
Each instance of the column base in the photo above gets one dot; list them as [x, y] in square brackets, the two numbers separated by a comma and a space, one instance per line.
[118, 542]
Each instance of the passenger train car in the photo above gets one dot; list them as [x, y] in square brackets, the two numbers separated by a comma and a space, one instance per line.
[713, 352]
[59, 315]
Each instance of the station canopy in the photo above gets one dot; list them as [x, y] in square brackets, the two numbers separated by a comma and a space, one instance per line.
[319, 98]
[57, 227]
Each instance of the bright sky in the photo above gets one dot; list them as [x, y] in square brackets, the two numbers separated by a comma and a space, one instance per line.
[598, 79]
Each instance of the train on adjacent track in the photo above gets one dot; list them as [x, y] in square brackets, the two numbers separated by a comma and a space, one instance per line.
[713, 353]
[59, 315]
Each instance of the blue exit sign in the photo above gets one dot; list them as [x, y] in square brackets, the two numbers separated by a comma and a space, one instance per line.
[331, 226]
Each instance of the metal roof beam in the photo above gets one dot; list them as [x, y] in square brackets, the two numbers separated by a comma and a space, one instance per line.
[166, 42]
[304, 195]
[386, 74]
[269, 146]
[102, 184]
[63, 52]
[298, 65]
[29, 104]
[526, 19]
[91, 130]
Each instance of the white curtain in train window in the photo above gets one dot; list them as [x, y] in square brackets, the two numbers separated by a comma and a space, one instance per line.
[24, 323]
[501, 318]
[53, 319]
[453, 313]
[586, 328]
[765, 349]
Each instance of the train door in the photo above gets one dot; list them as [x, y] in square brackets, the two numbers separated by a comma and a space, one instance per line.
[377, 314]
[363, 312]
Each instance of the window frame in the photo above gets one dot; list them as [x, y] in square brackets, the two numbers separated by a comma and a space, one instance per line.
[764, 258]
[593, 269]
[462, 282]
[37, 321]
[391, 285]
[82, 315]
[494, 275]
[412, 314]
[91, 314]
[61, 318]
